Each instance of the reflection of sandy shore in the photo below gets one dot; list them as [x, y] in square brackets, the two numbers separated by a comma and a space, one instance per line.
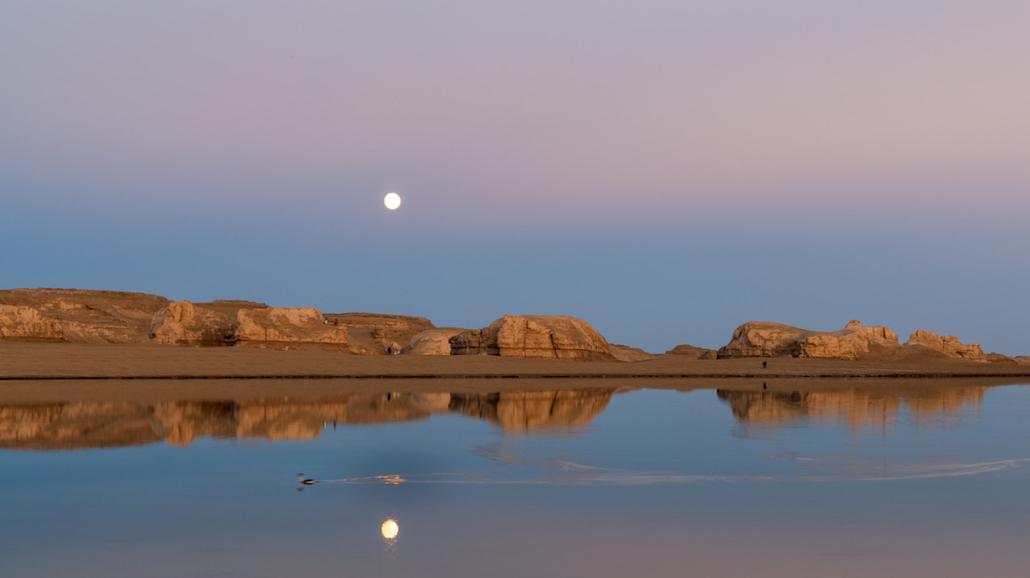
[856, 407]
[110, 424]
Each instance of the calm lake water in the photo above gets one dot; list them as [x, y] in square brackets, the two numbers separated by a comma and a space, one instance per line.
[927, 480]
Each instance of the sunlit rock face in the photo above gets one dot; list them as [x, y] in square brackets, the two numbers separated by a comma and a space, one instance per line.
[534, 409]
[856, 407]
[183, 323]
[436, 341]
[18, 323]
[535, 336]
[764, 339]
[287, 325]
[78, 316]
[948, 345]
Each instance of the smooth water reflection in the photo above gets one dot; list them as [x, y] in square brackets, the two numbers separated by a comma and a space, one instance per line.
[913, 480]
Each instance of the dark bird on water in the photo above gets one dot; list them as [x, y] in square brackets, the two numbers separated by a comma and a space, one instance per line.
[305, 481]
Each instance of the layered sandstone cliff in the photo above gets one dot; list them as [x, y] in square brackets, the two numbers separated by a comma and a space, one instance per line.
[535, 336]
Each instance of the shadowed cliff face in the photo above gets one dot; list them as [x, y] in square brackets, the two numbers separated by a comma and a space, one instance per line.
[72, 426]
[855, 407]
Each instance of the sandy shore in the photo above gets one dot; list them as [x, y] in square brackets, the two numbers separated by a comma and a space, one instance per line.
[19, 361]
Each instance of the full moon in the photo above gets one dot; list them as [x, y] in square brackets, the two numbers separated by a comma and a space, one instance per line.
[392, 201]
[390, 529]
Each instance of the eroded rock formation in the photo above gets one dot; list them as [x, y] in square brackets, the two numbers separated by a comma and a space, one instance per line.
[25, 323]
[763, 339]
[376, 334]
[436, 341]
[535, 336]
[183, 323]
[77, 316]
[948, 345]
[287, 325]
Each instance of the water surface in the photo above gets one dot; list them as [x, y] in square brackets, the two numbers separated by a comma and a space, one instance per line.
[926, 479]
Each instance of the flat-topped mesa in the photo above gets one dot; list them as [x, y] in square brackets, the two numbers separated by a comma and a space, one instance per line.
[536, 337]
[183, 323]
[948, 345]
[287, 325]
[764, 339]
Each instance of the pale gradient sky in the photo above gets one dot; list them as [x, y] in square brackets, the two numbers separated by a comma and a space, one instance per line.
[665, 170]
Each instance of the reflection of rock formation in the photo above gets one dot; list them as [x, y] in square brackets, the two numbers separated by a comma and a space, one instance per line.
[534, 409]
[856, 407]
[97, 425]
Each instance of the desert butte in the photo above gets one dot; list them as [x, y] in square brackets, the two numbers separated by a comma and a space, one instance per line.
[84, 334]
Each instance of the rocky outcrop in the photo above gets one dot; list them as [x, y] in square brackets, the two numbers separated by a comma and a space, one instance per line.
[436, 341]
[692, 352]
[78, 316]
[19, 323]
[763, 339]
[183, 323]
[287, 325]
[627, 353]
[852, 342]
[536, 337]
[377, 334]
[948, 345]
